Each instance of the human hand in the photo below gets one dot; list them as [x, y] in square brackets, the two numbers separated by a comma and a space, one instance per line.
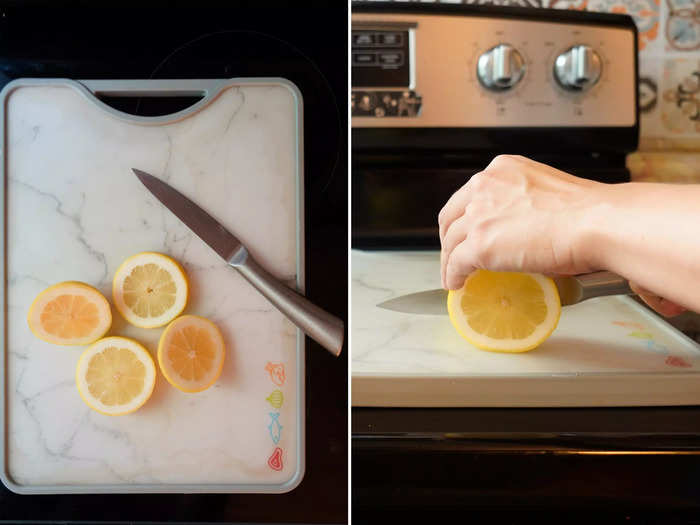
[659, 304]
[517, 215]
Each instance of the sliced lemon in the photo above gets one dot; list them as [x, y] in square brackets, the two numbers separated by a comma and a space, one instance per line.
[191, 353]
[70, 313]
[505, 311]
[150, 289]
[115, 376]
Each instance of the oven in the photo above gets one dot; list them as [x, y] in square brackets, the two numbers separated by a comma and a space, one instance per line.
[437, 91]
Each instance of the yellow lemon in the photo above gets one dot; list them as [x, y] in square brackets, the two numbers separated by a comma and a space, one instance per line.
[191, 353]
[70, 313]
[505, 311]
[150, 289]
[115, 376]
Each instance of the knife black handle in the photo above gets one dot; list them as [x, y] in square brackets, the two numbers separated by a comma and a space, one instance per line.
[321, 326]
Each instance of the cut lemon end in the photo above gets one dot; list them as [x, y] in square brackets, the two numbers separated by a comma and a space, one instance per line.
[70, 313]
[150, 289]
[115, 376]
[191, 353]
[505, 311]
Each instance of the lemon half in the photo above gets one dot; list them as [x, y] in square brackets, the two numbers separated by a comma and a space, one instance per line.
[115, 376]
[191, 353]
[70, 313]
[505, 311]
[150, 289]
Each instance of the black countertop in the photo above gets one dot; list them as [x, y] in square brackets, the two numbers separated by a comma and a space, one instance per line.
[207, 43]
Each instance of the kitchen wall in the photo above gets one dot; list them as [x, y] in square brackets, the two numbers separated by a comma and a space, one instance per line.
[669, 83]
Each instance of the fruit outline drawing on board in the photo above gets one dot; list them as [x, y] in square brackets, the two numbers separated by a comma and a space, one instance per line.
[275, 460]
[654, 346]
[276, 399]
[276, 371]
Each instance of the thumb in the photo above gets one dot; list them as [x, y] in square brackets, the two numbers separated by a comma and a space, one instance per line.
[659, 304]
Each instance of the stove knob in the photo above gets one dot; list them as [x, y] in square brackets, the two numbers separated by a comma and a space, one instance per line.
[577, 68]
[500, 68]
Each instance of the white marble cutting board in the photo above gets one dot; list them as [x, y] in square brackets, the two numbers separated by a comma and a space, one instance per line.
[607, 351]
[75, 211]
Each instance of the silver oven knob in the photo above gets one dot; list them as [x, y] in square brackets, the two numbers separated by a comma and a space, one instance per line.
[577, 68]
[500, 68]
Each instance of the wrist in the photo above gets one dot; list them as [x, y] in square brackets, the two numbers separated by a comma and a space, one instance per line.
[594, 234]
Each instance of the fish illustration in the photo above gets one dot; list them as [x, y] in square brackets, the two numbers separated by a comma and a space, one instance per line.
[657, 348]
[276, 371]
[275, 399]
[274, 427]
[275, 460]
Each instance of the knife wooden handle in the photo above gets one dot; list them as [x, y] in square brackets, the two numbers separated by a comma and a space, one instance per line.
[321, 326]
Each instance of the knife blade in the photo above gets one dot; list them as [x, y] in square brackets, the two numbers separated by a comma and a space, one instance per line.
[325, 328]
[572, 289]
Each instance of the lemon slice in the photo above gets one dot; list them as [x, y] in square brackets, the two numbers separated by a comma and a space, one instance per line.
[150, 289]
[115, 376]
[191, 353]
[70, 313]
[505, 311]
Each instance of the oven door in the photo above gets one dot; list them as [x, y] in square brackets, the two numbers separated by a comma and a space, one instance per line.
[397, 195]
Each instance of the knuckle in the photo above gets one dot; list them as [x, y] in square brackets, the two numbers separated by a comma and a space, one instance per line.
[501, 160]
[477, 207]
[468, 214]
[472, 215]
[477, 181]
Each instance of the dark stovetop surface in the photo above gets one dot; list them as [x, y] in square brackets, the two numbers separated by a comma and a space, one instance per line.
[617, 465]
[140, 43]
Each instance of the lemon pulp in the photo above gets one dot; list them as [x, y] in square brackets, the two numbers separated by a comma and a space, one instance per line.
[150, 289]
[191, 353]
[115, 376]
[505, 311]
[70, 313]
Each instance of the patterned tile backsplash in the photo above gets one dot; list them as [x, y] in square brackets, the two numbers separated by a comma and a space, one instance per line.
[669, 81]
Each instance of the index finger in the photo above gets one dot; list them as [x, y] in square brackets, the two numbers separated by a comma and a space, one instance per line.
[453, 209]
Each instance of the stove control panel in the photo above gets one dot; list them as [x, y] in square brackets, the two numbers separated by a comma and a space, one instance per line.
[430, 70]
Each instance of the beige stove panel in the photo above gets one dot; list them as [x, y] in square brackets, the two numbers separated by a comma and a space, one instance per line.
[517, 84]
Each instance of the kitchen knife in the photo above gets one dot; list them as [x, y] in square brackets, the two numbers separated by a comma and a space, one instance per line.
[572, 289]
[321, 326]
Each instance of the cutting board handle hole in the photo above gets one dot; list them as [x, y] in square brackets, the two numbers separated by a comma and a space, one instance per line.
[147, 106]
